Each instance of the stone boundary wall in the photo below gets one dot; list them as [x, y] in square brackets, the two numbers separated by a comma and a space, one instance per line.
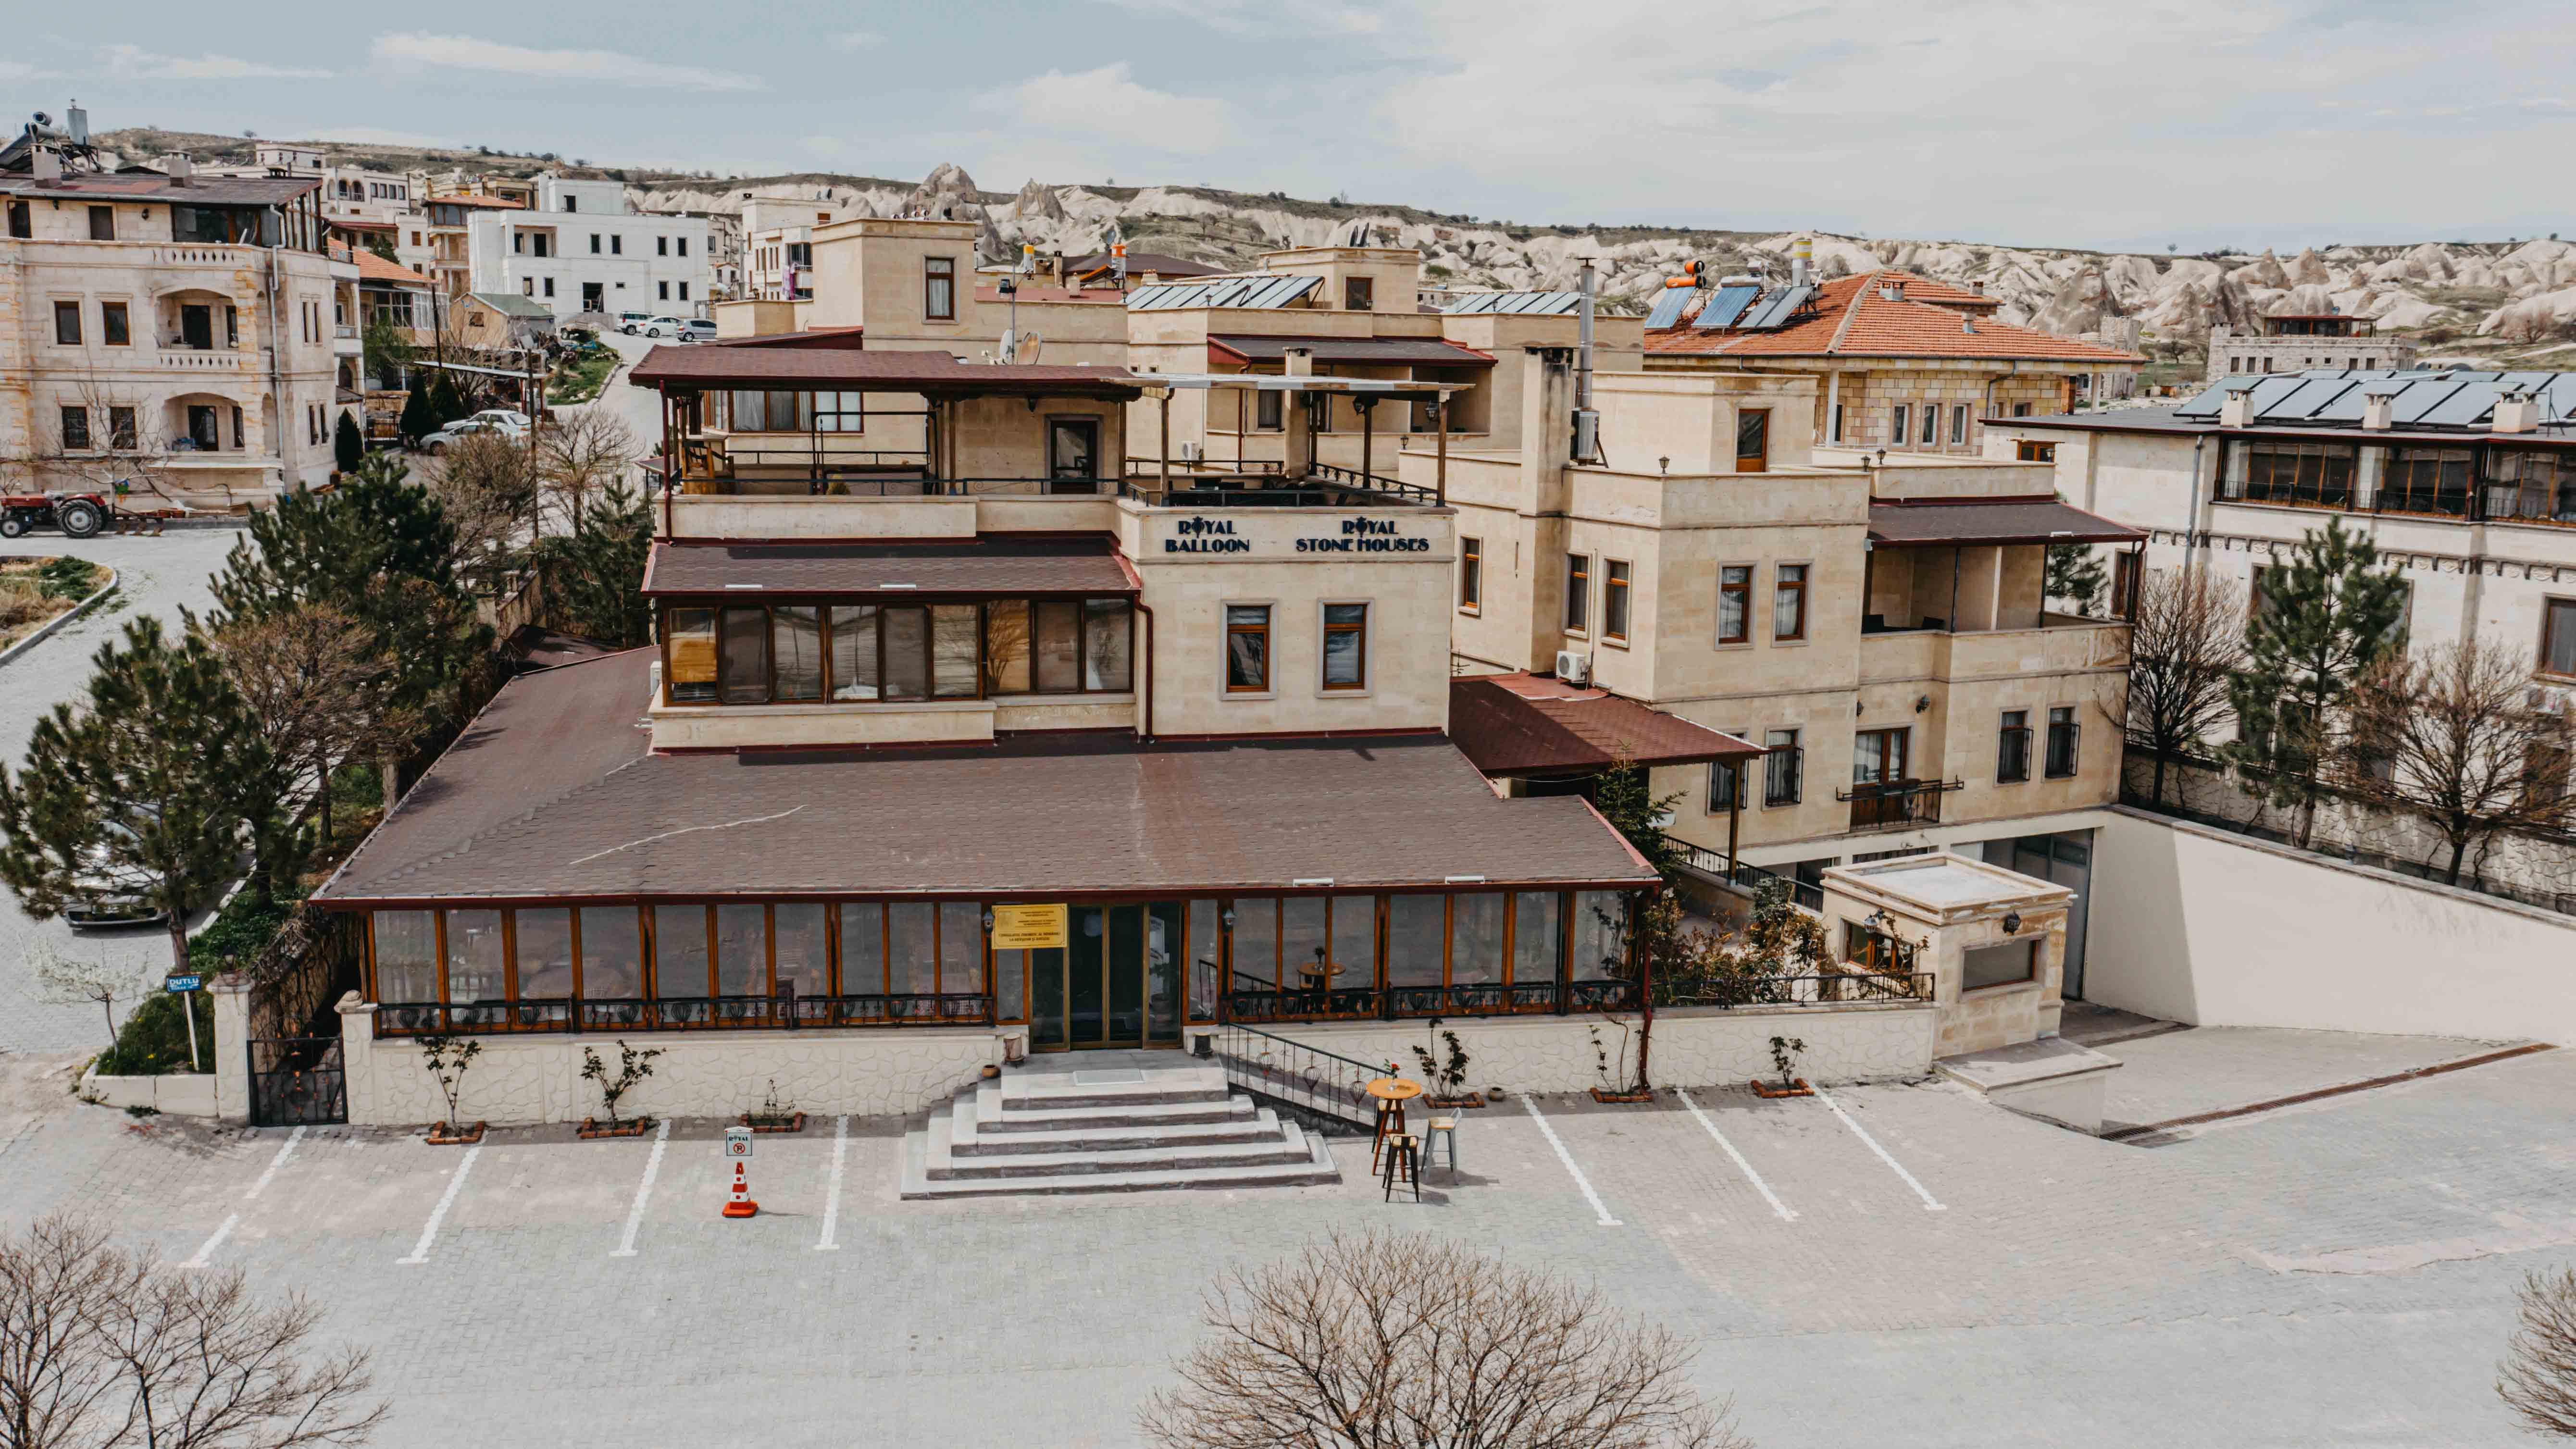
[2197, 924]
[520, 1080]
[182, 1094]
[1694, 1046]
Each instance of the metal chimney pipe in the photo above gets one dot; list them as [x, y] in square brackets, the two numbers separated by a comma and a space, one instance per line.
[1799, 256]
[1583, 341]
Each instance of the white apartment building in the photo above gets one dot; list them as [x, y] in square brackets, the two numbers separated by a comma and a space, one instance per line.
[580, 249]
[179, 332]
[778, 245]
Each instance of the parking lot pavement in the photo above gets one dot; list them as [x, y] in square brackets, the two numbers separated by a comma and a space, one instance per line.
[2212, 1068]
[2336, 1273]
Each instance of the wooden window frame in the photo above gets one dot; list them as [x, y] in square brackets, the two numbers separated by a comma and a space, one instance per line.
[2027, 451]
[1323, 655]
[1795, 751]
[1578, 593]
[932, 277]
[1758, 461]
[2005, 732]
[1269, 656]
[115, 324]
[88, 440]
[825, 604]
[1793, 594]
[2550, 604]
[1743, 591]
[67, 312]
[2074, 727]
[1359, 294]
[1471, 575]
[1616, 600]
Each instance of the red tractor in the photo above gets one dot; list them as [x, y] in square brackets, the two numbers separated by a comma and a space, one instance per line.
[78, 515]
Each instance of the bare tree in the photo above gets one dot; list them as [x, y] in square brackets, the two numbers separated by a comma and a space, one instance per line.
[2449, 735]
[1380, 1341]
[2186, 641]
[100, 1347]
[78, 981]
[489, 491]
[580, 453]
[2538, 1380]
[321, 695]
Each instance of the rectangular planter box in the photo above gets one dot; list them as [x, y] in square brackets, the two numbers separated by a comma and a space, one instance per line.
[182, 1094]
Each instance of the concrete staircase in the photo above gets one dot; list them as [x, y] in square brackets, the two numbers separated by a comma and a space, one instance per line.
[1107, 1129]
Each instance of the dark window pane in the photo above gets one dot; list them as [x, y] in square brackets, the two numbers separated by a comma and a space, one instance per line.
[796, 642]
[742, 951]
[1105, 637]
[1600, 935]
[1256, 943]
[1355, 940]
[1998, 965]
[1006, 647]
[679, 951]
[1415, 928]
[1476, 939]
[1059, 650]
[2561, 637]
[1247, 647]
[961, 948]
[956, 632]
[862, 949]
[406, 956]
[691, 646]
[744, 656]
[1305, 941]
[798, 929]
[907, 653]
[1536, 935]
[474, 956]
[612, 954]
[912, 959]
[854, 652]
[545, 953]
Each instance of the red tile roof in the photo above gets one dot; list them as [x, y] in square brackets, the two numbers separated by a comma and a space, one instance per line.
[1520, 724]
[373, 268]
[502, 203]
[1853, 319]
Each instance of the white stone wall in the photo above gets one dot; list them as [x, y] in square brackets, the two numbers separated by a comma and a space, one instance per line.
[531, 1079]
[1693, 1046]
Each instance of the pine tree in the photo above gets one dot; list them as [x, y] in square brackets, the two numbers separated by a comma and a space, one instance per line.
[2322, 620]
[151, 790]
[446, 404]
[419, 414]
[595, 576]
[2075, 575]
[348, 448]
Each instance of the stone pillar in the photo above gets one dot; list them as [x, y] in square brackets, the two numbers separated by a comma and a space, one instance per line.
[1298, 434]
[357, 1058]
[1547, 491]
[232, 1048]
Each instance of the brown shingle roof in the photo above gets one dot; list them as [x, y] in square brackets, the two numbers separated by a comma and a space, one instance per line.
[552, 793]
[1516, 725]
[985, 565]
[1854, 320]
[906, 371]
[153, 186]
[1986, 521]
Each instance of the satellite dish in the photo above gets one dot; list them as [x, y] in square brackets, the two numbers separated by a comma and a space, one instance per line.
[1010, 344]
[1030, 343]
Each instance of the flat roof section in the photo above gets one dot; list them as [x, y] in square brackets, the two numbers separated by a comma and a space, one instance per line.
[1941, 522]
[982, 566]
[1522, 724]
[553, 793]
[698, 365]
[1433, 350]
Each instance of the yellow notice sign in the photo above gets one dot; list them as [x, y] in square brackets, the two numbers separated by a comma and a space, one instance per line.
[1028, 928]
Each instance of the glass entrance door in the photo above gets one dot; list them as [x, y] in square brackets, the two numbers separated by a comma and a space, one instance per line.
[1117, 983]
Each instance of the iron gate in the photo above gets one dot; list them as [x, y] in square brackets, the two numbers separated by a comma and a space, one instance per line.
[297, 1081]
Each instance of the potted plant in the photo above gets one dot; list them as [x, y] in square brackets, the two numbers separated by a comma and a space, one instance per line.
[1784, 1060]
[1607, 1090]
[1447, 1076]
[771, 1117]
[447, 1057]
[633, 1066]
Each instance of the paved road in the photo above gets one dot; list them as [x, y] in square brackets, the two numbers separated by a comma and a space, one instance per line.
[2337, 1274]
[157, 576]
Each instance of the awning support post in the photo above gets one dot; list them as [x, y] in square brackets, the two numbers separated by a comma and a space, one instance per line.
[1368, 412]
[1440, 473]
[1167, 443]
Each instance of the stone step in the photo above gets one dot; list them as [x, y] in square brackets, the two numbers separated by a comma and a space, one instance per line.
[916, 1184]
[943, 1161]
[1114, 1087]
[994, 1113]
[969, 1135]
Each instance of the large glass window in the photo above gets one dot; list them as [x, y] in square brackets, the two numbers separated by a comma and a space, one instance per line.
[1735, 604]
[2558, 636]
[796, 644]
[2426, 480]
[1346, 646]
[840, 412]
[854, 652]
[1105, 642]
[912, 948]
[1059, 646]
[744, 652]
[1006, 646]
[1355, 940]
[1614, 599]
[1416, 928]
[907, 653]
[1600, 935]
[961, 948]
[796, 933]
[545, 953]
[742, 951]
[1538, 934]
[956, 634]
[1305, 942]
[2002, 964]
[2264, 470]
[1578, 595]
[1476, 943]
[1247, 648]
[1256, 943]
[612, 953]
[2531, 483]
[1207, 926]
[476, 964]
[406, 945]
[863, 955]
[680, 951]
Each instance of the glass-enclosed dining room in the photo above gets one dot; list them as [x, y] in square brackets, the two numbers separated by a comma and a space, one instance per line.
[1119, 973]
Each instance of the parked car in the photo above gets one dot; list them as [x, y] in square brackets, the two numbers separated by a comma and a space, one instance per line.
[477, 425]
[665, 327]
[632, 322]
[506, 417]
[104, 898]
[698, 329]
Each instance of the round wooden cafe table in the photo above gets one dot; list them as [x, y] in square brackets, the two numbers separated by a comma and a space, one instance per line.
[1390, 1093]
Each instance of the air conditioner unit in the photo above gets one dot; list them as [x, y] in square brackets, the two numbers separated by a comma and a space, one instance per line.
[2547, 700]
[1573, 667]
[1189, 452]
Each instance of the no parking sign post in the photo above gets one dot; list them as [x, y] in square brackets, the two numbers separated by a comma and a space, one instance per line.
[737, 1149]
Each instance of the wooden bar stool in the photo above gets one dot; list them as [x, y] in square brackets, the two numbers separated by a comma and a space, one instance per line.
[1440, 1128]
[1390, 1092]
[1404, 1159]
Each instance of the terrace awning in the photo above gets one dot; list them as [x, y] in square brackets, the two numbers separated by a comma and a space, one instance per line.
[1989, 522]
[700, 367]
[1520, 724]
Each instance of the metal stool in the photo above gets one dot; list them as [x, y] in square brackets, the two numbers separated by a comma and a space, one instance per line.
[1404, 1157]
[1441, 1127]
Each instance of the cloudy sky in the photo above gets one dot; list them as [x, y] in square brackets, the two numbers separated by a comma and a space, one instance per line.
[2142, 124]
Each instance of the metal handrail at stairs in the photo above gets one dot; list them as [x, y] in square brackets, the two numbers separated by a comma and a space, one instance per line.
[1291, 1071]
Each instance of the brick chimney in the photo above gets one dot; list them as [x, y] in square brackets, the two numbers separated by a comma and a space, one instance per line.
[2377, 411]
[2238, 410]
[2516, 411]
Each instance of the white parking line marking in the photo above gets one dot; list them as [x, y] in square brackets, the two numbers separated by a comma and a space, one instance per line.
[446, 1200]
[1745, 1167]
[210, 1244]
[1567, 1158]
[275, 1163]
[1872, 1143]
[643, 1191]
[832, 1198]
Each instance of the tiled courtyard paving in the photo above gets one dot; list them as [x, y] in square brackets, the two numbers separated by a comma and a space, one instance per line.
[2338, 1274]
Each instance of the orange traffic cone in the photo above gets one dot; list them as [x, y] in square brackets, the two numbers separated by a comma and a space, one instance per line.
[740, 1204]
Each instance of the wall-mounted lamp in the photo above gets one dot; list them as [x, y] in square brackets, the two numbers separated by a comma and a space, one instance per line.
[1664, 465]
[1229, 918]
[988, 923]
[2012, 923]
[1922, 702]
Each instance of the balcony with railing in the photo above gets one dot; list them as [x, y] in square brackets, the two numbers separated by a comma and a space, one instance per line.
[1897, 804]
